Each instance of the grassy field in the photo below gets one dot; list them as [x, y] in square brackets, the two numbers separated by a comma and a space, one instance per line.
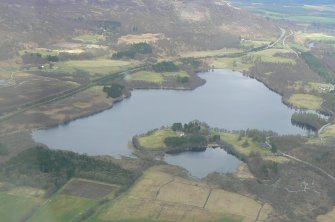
[72, 200]
[229, 63]
[27, 192]
[175, 74]
[309, 87]
[156, 139]
[154, 77]
[52, 52]
[270, 55]
[254, 43]
[312, 19]
[234, 139]
[62, 208]
[146, 76]
[328, 132]
[68, 70]
[88, 189]
[146, 37]
[17, 202]
[252, 147]
[161, 196]
[302, 37]
[181, 192]
[209, 53]
[89, 38]
[43, 51]
[15, 207]
[221, 200]
[68, 204]
[244, 63]
[306, 101]
[298, 46]
[95, 67]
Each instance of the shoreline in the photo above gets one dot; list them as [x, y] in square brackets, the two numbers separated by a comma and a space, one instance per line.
[284, 98]
[115, 102]
[119, 100]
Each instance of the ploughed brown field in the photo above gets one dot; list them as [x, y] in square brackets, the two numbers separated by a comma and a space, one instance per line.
[88, 189]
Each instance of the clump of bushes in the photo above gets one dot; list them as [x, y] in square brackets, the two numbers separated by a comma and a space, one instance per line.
[165, 66]
[188, 142]
[316, 65]
[45, 168]
[192, 62]
[194, 137]
[133, 50]
[310, 121]
[183, 79]
[115, 90]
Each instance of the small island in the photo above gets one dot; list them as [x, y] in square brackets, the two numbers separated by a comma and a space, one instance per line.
[254, 147]
[193, 136]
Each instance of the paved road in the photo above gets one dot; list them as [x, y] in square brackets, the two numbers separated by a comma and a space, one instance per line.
[286, 37]
[282, 35]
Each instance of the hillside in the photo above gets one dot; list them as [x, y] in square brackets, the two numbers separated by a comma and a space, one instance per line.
[181, 24]
[91, 77]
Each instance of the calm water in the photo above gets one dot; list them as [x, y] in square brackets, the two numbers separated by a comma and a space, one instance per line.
[202, 163]
[228, 100]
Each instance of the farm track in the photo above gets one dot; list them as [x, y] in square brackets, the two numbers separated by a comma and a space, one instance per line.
[322, 128]
[288, 36]
[259, 212]
[281, 37]
[309, 164]
[159, 189]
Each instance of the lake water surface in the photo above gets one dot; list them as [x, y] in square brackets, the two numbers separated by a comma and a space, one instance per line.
[228, 100]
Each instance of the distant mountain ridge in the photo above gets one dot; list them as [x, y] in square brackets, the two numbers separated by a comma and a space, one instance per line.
[279, 2]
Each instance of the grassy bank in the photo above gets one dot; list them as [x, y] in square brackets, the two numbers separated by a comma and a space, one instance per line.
[306, 101]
